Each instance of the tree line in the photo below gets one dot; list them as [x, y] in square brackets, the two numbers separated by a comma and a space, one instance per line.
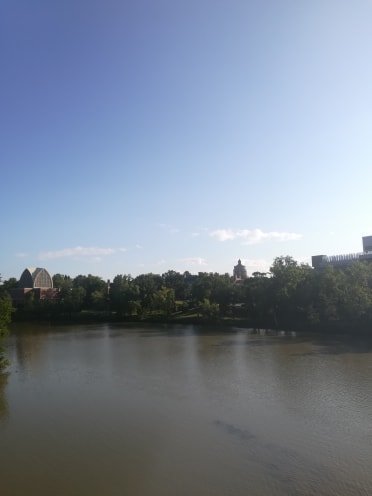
[6, 310]
[290, 295]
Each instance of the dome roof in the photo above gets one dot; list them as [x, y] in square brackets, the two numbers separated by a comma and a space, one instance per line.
[35, 277]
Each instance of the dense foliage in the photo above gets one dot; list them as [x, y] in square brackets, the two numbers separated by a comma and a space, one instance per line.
[5, 318]
[290, 296]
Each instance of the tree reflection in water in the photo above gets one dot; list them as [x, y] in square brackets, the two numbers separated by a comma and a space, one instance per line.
[3, 401]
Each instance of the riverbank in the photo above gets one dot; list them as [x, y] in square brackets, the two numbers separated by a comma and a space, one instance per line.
[350, 327]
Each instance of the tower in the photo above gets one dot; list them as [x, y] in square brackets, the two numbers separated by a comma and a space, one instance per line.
[240, 272]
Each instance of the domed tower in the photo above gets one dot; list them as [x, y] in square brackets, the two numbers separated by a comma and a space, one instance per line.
[240, 272]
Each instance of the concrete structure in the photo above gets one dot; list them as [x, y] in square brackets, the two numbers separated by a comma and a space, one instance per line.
[240, 272]
[35, 280]
[35, 277]
[321, 261]
[367, 244]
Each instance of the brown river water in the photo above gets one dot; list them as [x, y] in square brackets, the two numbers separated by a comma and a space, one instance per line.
[178, 410]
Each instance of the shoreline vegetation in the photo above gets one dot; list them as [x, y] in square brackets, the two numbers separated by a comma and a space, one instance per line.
[80, 318]
[290, 297]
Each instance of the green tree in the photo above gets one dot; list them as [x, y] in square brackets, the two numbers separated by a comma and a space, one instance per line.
[99, 299]
[328, 289]
[208, 310]
[30, 303]
[63, 283]
[288, 280]
[176, 281]
[201, 289]
[148, 284]
[164, 300]
[9, 284]
[74, 300]
[123, 293]
[223, 291]
[258, 300]
[91, 284]
[344, 294]
[356, 297]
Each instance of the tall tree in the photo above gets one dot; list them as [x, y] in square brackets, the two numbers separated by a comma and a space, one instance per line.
[92, 285]
[201, 288]
[258, 299]
[223, 291]
[9, 284]
[288, 279]
[148, 284]
[123, 294]
[164, 300]
[176, 281]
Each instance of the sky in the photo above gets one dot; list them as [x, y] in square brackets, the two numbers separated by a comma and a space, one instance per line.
[154, 135]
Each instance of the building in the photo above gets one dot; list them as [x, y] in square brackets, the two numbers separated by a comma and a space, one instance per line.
[35, 277]
[321, 261]
[240, 272]
[35, 280]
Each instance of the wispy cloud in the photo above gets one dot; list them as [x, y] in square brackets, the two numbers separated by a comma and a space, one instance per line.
[252, 237]
[21, 255]
[80, 251]
[256, 264]
[169, 229]
[194, 261]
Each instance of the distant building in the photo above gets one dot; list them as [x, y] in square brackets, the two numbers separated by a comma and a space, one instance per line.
[367, 244]
[240, 272]
[38, 281]
[321, 261]
[35, 277]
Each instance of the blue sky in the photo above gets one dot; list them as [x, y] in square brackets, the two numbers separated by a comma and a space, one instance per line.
[148, 136]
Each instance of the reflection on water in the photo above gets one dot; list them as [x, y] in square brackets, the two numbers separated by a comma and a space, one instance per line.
[3, 400]
[110, 410]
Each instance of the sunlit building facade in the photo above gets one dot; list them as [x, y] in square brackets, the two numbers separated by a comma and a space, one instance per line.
[322, 261]
[38, 281]
[240, 272]
[35, 277]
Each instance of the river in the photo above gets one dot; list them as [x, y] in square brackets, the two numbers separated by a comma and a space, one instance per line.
[178, 410]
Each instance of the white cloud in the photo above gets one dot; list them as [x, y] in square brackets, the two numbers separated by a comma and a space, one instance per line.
[251, 237]
[256, 265]
[224, 234]
[21, 255]
[194, 261]
[170, 229]
[80, 251]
